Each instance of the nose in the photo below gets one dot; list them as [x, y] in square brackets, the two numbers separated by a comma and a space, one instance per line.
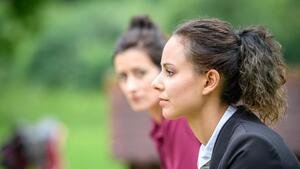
[131, 85]
[157, 83]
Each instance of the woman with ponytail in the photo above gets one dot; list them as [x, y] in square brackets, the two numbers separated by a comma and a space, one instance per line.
[229, 85]
[137, 62]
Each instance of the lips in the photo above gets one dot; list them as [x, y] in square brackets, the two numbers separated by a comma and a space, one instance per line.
[135, 98]
[163, 101]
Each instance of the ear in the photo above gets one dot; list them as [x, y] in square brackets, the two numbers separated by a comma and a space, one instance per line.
[212, 78]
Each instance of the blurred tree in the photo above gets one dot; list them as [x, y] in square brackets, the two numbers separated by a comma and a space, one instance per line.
[71, 41]
[280, 16]
[290, 31]
[74, 54]
[18, 19]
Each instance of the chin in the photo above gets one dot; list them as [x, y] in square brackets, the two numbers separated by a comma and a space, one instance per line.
[170, 115]
[138, 108]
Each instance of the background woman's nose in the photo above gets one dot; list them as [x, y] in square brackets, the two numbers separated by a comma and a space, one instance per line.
[131, 85]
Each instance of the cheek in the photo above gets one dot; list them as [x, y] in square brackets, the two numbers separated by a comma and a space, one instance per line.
[122, 87]
[183, 91]
[148, 81]
[124, 90]
[150, 92]
[191, 100]
[175, 88]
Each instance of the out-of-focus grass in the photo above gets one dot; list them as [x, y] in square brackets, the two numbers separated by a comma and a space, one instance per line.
[83, 113]
[87, 149]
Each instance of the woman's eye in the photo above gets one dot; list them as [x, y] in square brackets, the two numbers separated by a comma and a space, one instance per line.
[122, 77]
[140, 73]
[169, 73]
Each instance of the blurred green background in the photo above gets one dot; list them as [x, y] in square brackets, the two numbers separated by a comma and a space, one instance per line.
[55, 58]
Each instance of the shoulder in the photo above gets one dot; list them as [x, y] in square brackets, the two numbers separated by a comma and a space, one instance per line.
[258, 151]
[254, 143]
[250, 149]
[245, 124]
[251, 142]
[253, 135]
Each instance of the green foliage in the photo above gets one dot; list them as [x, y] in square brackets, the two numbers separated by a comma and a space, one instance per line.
[74, 51]
[71, 42]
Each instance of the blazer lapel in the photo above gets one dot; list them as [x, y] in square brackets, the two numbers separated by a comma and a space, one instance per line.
[223, 139]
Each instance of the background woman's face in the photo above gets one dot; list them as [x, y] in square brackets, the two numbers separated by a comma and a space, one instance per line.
[135, 73]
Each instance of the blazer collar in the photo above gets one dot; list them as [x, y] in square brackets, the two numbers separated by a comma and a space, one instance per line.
[225, 135]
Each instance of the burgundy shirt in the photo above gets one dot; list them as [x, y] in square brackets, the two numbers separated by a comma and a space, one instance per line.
[176, 144]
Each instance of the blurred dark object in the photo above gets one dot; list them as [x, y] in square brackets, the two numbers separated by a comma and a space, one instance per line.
[289, 127]
[36, 145]
[131, 141]
[12, 153]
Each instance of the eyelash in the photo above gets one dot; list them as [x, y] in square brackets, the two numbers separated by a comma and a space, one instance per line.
[169, 73]
[137, 73]
[140, 73]
[122, 77]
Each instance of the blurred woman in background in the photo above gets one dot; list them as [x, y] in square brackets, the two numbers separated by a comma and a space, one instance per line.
[137, 62]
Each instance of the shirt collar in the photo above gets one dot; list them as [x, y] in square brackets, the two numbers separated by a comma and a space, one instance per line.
[205, 151]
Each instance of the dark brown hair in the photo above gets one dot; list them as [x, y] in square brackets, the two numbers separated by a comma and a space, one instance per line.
[249, 61]
[143, 34]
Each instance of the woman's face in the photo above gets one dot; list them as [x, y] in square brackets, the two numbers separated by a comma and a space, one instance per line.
[135, 72]
[180, 86]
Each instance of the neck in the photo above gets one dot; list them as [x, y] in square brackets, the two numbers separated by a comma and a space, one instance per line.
[156, 113]
[204, 122]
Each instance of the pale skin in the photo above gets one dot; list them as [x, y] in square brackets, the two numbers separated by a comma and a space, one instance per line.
[135, 72]
[183, 92]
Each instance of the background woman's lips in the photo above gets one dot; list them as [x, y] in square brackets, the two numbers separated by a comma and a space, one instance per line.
[136, 99]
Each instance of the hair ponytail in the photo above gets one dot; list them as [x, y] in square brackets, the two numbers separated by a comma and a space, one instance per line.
[142, 34]
[141, 22]
[262, 74]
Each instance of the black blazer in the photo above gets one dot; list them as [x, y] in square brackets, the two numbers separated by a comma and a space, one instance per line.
[245, 142]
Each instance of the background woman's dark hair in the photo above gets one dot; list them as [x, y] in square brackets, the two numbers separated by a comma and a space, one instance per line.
[143, 34]
[249, 61]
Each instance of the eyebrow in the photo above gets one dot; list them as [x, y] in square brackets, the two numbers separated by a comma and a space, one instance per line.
[167, 64]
